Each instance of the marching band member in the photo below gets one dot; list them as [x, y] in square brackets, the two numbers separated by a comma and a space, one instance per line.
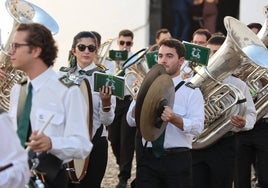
[14, 168]
[121, 136]
[172, 166]
[252, 148]
[33, 50]
[160, 35]
[213, 166]
[84, 49]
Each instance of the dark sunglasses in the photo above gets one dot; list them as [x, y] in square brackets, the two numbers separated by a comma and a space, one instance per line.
[82, 47]
[122, 43]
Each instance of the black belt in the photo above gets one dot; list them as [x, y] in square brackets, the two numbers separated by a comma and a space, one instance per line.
[128, 97]
[169, 151]
[263, 121]
[175, 150]
[228, 134]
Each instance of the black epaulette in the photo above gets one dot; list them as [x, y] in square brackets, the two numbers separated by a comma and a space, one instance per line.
[66, 81]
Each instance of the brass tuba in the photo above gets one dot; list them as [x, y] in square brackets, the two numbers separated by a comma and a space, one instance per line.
[135, 68]
[103, 51]
[222, 100]
[256, 77]
[22, 12]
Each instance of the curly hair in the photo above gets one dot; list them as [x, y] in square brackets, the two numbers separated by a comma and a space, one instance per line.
[40, 36]
[174, 43]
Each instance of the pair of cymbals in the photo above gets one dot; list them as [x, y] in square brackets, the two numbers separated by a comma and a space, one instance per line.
[157, 90]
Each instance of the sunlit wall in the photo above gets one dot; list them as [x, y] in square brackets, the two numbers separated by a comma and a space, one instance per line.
[107, 17]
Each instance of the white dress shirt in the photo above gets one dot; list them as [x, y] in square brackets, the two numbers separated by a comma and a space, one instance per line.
[11, 152]
[189, 105]
[250, 111]
[99, 116]
[68, 128]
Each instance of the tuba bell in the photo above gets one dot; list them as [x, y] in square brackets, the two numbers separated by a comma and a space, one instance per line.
[222, 100]
[135, 68]
[22, 12]
[256, 77]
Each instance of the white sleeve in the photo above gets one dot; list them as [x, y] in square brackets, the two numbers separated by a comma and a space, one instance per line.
[11, 152]
[131, 120]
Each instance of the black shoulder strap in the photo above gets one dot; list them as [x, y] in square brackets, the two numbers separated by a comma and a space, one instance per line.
[176, 88]
[179, 85]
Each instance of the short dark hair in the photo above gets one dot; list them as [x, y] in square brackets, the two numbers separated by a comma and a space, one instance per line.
[160, 31]
[174, 43]
[255, 25]
[77, 37]
[216, 40]
[98, 37]
[40, 36]
[202, 31]
[126, 33]
[84, 34]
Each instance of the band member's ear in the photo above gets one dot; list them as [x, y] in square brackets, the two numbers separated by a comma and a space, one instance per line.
[181, 60]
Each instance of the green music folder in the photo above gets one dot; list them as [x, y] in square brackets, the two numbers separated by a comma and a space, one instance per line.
[196, 53]
[151, 58]
[116, 82]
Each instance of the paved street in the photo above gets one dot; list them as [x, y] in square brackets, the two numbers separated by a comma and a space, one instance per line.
[110, 179]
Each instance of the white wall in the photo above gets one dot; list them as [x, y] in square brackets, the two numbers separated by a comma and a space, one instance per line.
[107, 17]
[252, 11]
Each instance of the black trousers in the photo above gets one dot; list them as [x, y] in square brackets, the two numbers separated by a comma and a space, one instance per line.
[97, 163]
[60, 181]
[54, 172]
[122, 138]
[252, 147]
[214, 166]
[172, 170]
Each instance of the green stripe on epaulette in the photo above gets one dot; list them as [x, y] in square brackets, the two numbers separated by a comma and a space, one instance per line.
[67, 69]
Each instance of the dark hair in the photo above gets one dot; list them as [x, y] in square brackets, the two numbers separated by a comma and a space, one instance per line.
[98, 37]
[40, 36]
[77, 37]
[255, 25]
[202, 31]
[126, 33]
[84, 34]
[160, 31]
[216, 40]
[174, 43]
[154, 47]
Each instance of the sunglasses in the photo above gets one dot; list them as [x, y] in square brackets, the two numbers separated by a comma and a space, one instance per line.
[122, 43]
[82, 47]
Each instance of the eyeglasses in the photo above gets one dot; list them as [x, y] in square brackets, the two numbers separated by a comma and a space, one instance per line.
[122, 43]
[15, 46]
[82, 47]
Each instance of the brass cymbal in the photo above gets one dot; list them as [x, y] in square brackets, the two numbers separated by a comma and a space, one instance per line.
[161, 93]
[154, 72]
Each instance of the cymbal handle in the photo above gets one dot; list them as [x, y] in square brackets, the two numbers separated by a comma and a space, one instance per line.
[160, 110]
